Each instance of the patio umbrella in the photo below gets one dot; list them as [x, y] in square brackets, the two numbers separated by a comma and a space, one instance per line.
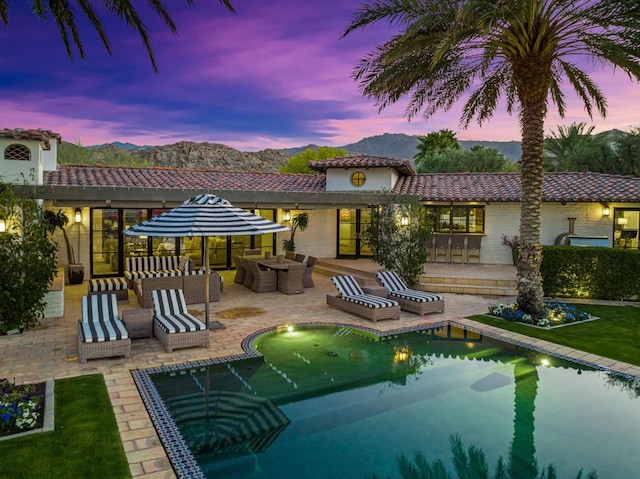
[205, 215]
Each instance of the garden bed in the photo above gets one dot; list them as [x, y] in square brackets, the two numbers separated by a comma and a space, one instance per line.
[22, 407]
[556, 314]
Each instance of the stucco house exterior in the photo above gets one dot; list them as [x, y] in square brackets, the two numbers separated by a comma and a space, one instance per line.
[583, 207]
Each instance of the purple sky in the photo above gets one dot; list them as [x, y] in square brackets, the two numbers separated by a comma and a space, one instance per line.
[276, 75]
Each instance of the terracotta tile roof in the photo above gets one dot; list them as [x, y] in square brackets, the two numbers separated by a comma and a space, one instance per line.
[39, 135]
[557, 187]
[404, 167]
[496, 187]
[129, 177]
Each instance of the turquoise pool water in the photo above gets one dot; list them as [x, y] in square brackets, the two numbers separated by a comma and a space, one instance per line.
[332, 402]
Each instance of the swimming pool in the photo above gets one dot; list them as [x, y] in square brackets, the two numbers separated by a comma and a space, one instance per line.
[342, 402]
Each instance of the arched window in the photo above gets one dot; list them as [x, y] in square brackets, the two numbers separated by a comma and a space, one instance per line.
[358, 178]
[17, 152]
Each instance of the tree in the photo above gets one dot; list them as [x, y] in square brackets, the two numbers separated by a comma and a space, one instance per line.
[396, 246]
[300, 162]
[522, 50]
[299, 221]
[476, 160]
[434, 144]
[65, 17]
[27, 260]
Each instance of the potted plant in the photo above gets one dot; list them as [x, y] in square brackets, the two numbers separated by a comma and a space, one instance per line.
[75, 269]
[299, 221]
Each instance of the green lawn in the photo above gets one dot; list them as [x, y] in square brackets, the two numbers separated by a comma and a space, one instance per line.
[615, 335]
[84, 444]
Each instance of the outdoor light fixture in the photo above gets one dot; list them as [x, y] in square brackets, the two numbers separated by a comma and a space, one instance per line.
[606, 211]
[286, 216]
[404, 221]
[78, 215]
[3, 226]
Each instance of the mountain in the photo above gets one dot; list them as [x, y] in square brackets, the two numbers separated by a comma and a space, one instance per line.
[188, 154]
[401, 146]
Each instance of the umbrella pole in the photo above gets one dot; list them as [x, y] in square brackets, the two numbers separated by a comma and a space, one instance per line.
[206, 280]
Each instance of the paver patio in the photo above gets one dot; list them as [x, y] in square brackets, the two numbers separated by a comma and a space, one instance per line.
[49, 351]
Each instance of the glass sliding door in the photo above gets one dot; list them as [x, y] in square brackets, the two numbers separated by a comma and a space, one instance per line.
[351, 225]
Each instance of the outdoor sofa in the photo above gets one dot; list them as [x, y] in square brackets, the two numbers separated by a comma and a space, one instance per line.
[411, 300]
[101, 333]
[352, 299]
[137, 267]
[192, 284]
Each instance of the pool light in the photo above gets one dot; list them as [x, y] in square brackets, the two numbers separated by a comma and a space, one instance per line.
[545, 362]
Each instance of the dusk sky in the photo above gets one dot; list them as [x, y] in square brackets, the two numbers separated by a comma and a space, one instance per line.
[275, 75]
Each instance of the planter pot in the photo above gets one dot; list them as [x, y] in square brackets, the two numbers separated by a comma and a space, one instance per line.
[76, 274]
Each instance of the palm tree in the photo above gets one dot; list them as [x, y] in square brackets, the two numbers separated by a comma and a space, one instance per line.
[435, 143]
[519, 50]
[64, 15]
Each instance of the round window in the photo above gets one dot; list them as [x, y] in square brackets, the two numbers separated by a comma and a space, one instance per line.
[358, 178]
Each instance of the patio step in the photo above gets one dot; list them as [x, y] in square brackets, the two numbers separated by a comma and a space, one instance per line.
[428, 283]
[484, 287]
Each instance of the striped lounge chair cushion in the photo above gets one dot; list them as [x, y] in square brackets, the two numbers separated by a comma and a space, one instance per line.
[398, 288]
[350, 290]
[370, 300]
[171, 314]
[100, 321]
[347, 285]
[417, 296]
[391, 281]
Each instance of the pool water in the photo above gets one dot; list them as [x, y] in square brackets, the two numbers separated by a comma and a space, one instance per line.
[337, 402]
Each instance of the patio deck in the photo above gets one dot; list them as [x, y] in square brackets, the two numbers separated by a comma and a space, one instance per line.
[49, 351]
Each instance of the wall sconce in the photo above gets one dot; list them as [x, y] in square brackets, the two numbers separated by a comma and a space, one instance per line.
[404, 220]
[286, 216]
[606, 211]
[3, 226]
[623, 221]
[78, 215]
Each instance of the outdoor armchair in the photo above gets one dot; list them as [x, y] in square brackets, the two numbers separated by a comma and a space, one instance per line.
[101, 333]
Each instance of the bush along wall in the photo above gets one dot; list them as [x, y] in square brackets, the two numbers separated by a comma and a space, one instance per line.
[591, 272]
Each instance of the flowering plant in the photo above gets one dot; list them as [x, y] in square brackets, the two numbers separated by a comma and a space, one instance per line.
[555, 313]
[20, 407]
[511, 241]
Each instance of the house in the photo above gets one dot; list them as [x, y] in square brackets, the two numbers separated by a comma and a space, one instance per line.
[581, 208]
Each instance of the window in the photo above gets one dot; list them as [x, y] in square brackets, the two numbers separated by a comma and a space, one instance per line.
[17, 152]
[457, 219]
[358, 178]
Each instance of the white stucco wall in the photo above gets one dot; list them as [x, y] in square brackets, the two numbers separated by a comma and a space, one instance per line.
[377, 179]
[50, 157]
[18, 171]
[319, 239]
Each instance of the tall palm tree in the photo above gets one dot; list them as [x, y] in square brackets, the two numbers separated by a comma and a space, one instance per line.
[64, 14]
[519, 50]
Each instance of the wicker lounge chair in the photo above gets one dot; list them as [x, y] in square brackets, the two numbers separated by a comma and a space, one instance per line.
[101, 333]
[290, 281]
[411, 300]
[353, 300]
[173, 325]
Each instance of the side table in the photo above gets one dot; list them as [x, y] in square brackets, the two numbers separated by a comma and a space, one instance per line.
[139, 322]
[375, 290]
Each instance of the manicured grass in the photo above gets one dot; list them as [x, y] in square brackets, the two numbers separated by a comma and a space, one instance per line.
[615, 335]
[84, 444]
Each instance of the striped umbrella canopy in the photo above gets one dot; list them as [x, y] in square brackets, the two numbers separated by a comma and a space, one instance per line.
[205, 215]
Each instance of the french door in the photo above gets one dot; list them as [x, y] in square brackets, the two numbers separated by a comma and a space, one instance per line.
[351, 225]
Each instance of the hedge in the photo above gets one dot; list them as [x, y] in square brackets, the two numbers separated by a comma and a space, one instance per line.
[590, 272]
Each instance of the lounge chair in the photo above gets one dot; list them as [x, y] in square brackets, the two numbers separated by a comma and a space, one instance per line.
[173, 325]
[411, 300]
[101, 333]
[353, 300]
